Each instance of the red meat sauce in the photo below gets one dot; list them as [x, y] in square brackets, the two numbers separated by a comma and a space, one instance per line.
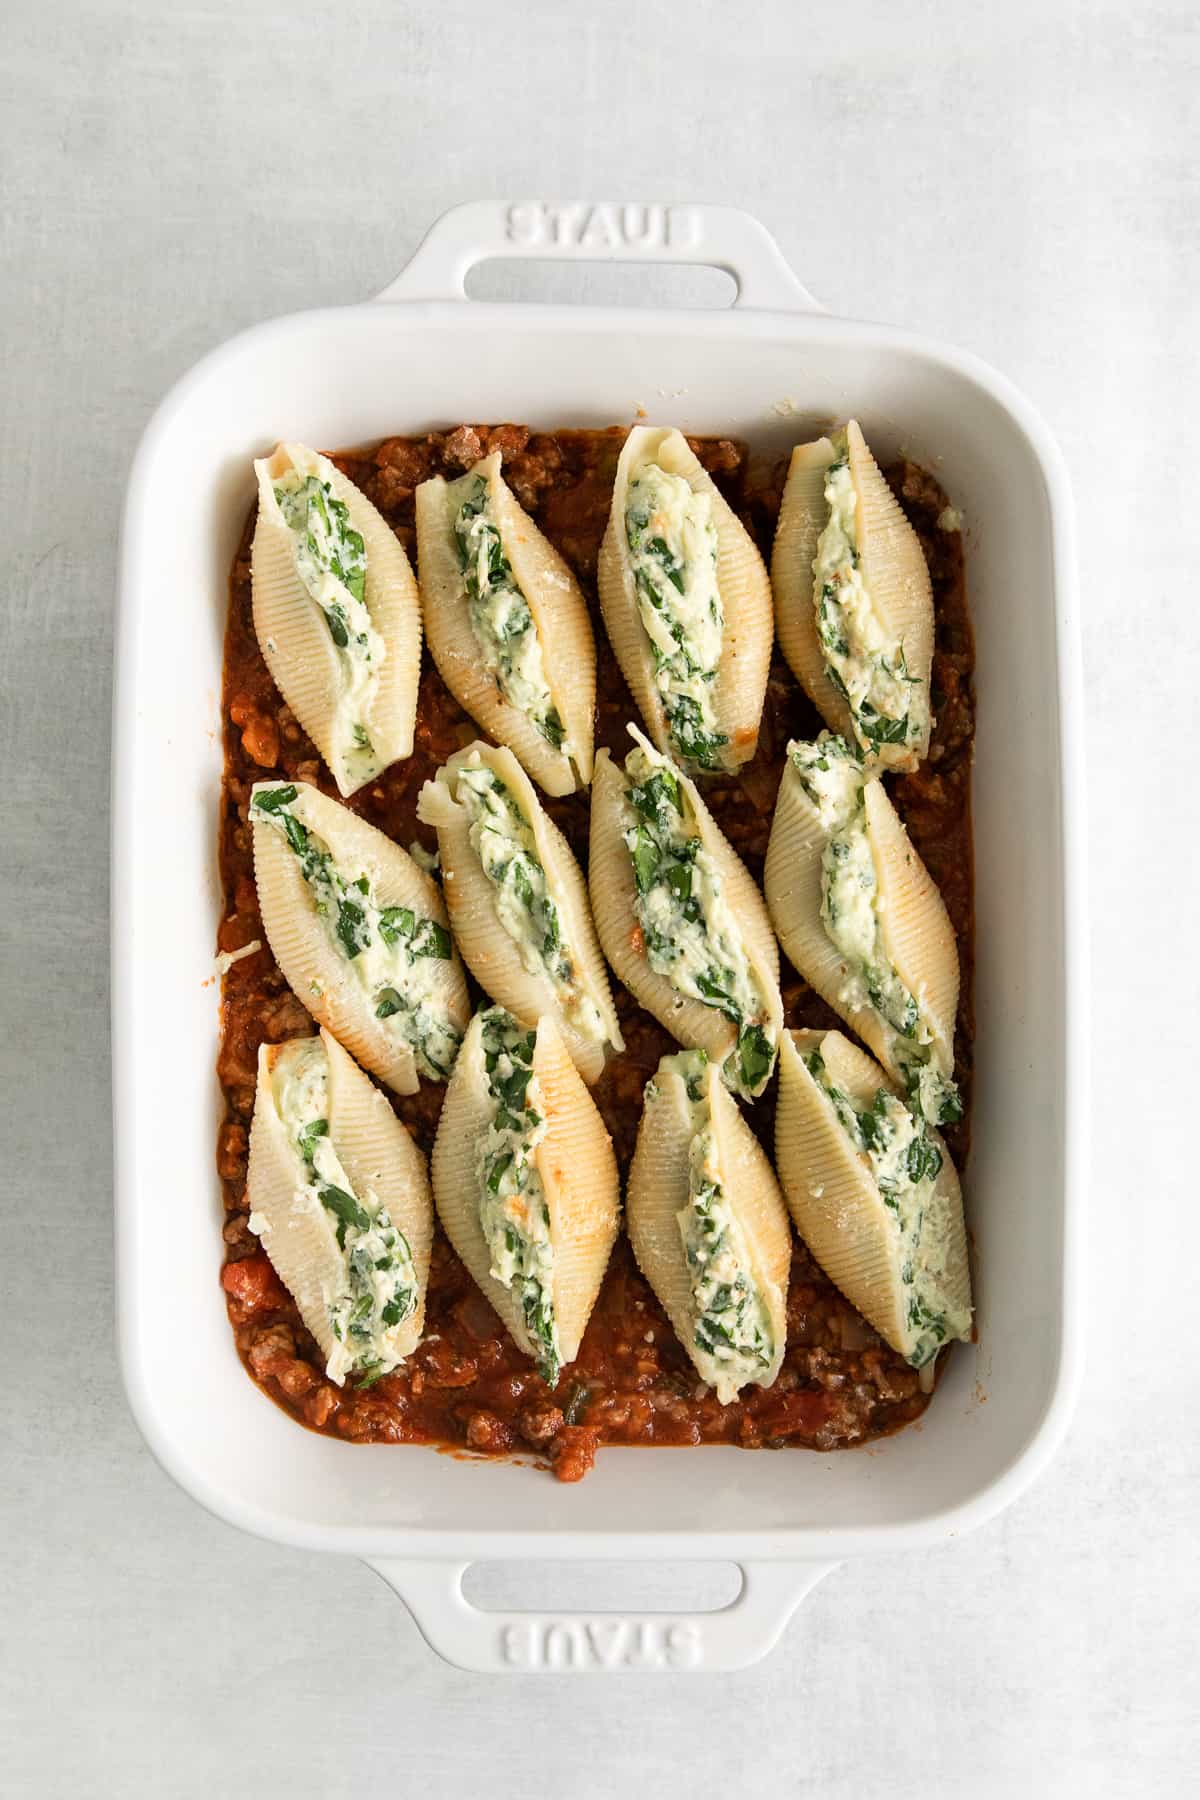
[467, 1385]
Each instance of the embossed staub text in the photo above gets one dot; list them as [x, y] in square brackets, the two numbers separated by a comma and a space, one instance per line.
[586, 226]
[604, 1643]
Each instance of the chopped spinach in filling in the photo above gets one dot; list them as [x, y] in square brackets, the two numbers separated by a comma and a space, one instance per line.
[691, 936]
[392, 949]
[502, 838]
[512, 1202]
[331, 561]
[832, 775]
[905, 1163]
[501, 618]
[673, 556]
[866, 665]
[731, 1326]
[379, 1288]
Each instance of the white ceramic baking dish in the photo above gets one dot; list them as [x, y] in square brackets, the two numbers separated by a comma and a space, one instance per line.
[423, 355]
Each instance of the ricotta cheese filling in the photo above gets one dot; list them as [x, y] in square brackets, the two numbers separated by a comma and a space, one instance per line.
[512, 1202]
[905, 1163]
[832, 776]
[377, 1289]
[331, 561]
[865, 663]
[392, 950]
[502, 838]
[672, 542]
[501, 618]
[690, 934]
[731, 1327]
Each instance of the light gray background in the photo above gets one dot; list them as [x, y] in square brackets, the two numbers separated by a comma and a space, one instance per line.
[1020, 179]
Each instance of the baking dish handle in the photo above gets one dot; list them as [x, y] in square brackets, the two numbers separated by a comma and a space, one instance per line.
[531, 1643]
[718, 237]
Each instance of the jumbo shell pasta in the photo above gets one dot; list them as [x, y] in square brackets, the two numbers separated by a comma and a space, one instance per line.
[329, 983]
[659, 1192]
[914, 931]
[735, 694]
[896, 579]
[578, 1173]
[511, 964]
[386, 1174]
[900, 1257]
[614, 892]
[357, 702]
[555, 652]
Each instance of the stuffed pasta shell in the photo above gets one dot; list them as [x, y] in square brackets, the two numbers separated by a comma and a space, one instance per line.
[686, 602]
[680, 918]
[859, 915]
[853, 601]
[360, 932]
[518, 904]
[337, 614]
[339, 1198]
[708, 1226]
[526, 1184]
[507, 624]
[873, 1194]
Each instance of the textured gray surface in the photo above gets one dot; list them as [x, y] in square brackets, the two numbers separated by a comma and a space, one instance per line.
[1021, 180]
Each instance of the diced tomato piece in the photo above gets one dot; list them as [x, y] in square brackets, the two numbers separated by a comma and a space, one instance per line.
[254, 1284]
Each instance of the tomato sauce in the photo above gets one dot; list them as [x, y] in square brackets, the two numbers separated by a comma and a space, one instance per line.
[467, 1385]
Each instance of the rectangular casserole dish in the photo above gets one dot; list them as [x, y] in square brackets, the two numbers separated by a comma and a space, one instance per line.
[422, 356]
